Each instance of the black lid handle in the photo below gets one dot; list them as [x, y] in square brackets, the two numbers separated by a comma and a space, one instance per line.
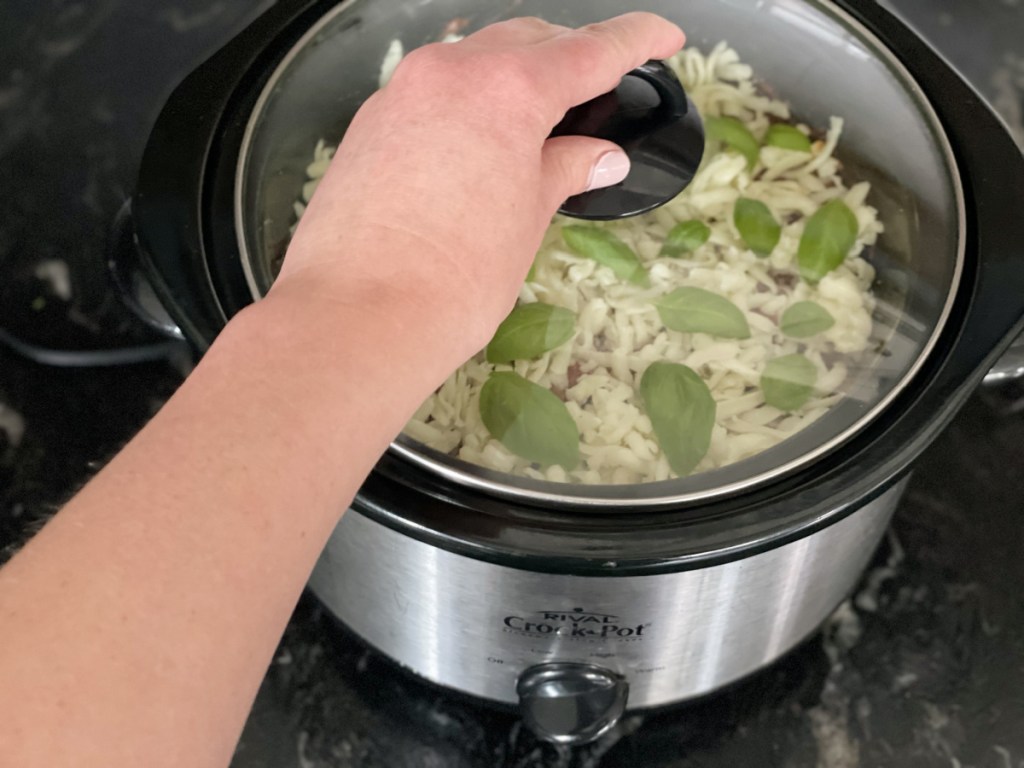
[650, 116]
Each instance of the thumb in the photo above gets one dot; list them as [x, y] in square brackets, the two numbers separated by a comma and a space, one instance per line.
[575, 164]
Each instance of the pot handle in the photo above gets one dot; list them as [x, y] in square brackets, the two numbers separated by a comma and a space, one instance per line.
[130, 280]
[1010, 366]
[170, 221]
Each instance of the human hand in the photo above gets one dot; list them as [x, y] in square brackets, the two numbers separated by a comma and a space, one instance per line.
[445, 181]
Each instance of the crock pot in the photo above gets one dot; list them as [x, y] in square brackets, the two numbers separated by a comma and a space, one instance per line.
[572, 602]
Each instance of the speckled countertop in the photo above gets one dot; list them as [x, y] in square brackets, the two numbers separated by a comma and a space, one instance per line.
[923, 667]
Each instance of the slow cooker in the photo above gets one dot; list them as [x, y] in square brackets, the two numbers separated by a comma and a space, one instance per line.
[575, 602]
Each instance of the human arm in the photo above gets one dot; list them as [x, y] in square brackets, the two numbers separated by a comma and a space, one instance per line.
[134, 629]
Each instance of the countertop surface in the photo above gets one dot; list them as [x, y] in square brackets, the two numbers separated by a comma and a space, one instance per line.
[923, 667]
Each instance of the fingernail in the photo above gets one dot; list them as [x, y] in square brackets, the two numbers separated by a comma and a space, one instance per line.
[610, 168]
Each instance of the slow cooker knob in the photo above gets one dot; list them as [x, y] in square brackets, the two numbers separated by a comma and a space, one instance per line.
[569, 703]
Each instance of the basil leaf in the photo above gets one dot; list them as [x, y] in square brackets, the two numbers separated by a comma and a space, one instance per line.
[735, 135]
[787, 137]
[828, 236]
[685, 237]
[682, 412]
[694, 310]
[805, 319]
[787, 382]
[756, 225]
[529, 420]
[529, 331]
[605, 248]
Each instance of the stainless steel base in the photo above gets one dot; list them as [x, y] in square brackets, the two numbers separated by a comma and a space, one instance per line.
[477, 627]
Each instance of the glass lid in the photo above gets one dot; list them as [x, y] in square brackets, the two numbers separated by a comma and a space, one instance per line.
[747, 327]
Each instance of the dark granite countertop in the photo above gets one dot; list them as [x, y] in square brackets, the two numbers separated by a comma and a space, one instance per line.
[923, 667]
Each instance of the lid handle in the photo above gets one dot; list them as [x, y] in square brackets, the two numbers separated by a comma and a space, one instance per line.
[650, 116]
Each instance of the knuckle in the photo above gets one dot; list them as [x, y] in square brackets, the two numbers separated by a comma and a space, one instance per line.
[641, 17]
[600, 40]
[572, 173]
[422, 65]
[530, 23]
[512, 76]
[505, 79]
[520, 27]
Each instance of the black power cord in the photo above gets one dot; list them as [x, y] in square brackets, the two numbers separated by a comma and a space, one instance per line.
[93, 358]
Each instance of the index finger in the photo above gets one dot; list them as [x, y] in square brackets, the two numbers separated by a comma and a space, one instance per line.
[591, 60]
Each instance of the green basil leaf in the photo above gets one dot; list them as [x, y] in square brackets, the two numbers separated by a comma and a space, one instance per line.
[756, 225]
[828, 236]
[685, 237]
[682, 412]
[529, 331]
[529, 420]
[532, 274]
[805, 319]
[694, 310]
[788, 381]
[787, 137]
[605, 248]
[735, 135]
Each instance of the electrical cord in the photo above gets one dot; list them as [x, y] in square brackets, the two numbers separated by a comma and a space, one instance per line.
[92, 358]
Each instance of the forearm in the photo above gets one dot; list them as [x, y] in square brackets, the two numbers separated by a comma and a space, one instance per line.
[157, 595]
[134, 629]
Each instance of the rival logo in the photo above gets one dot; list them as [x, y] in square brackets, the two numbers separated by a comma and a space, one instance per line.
[575, 624]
